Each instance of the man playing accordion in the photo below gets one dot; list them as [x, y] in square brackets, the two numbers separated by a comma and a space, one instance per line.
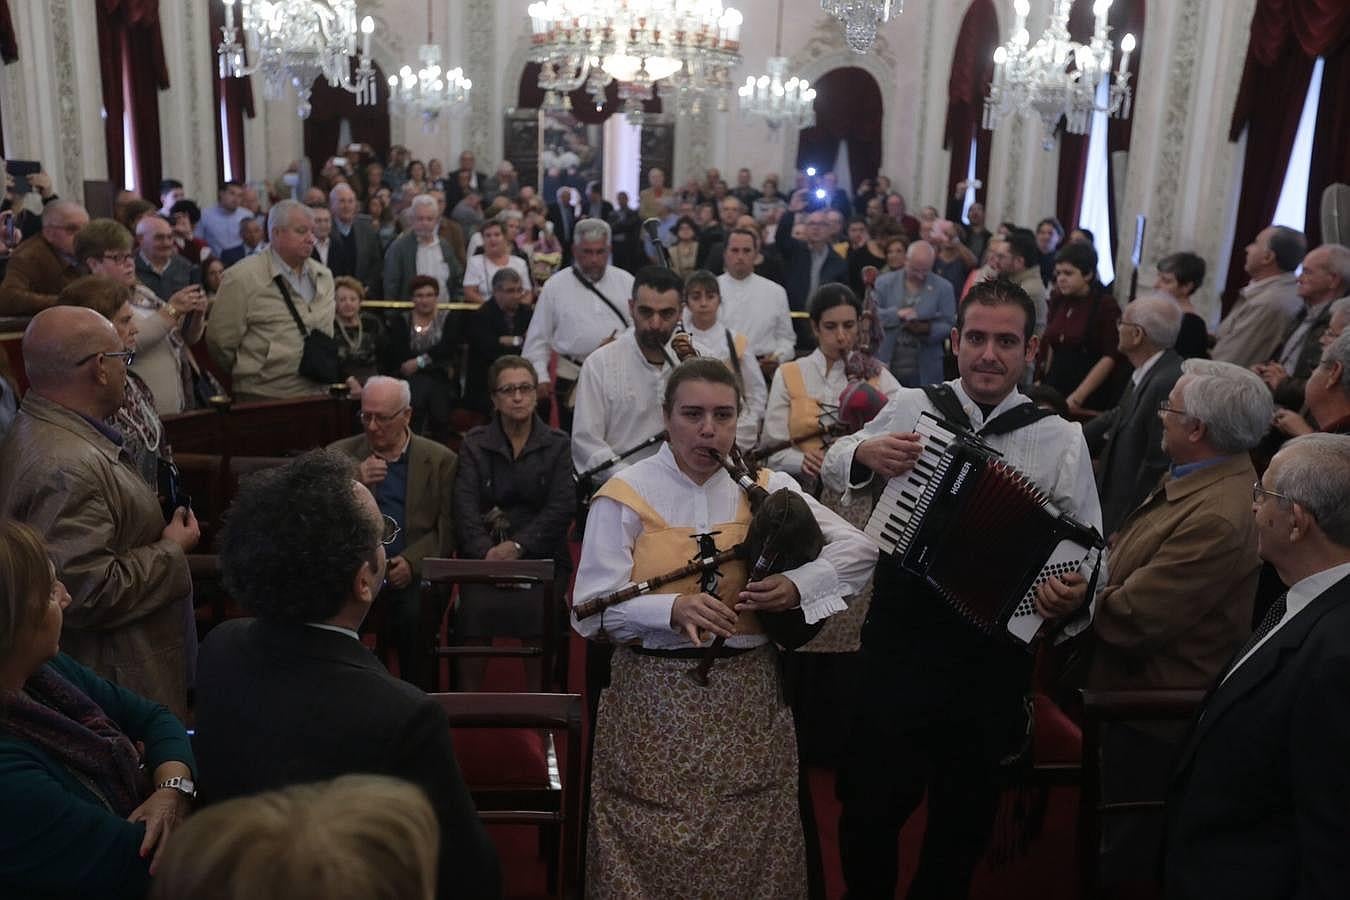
[941, 702]
[694, 787]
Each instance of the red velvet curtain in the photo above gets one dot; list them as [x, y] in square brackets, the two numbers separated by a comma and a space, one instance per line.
[1125, 17]
[530, 96]
[235, 95]
[848, 107]
[9, 44]
[1286, 38]
[370, 124]
[131, 62]
[968, 85]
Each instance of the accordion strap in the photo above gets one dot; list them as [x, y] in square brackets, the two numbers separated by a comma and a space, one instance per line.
[944, 400]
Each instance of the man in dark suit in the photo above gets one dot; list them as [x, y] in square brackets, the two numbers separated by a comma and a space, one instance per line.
[1127, 439]
[564, 217]
[292, 696]
[495, 329]
[411, 478]
[807, 263]
[251, 232]
[1259, 805]
[596, 206]
[354, 246]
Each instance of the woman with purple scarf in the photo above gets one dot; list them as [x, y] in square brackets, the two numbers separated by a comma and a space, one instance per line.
[93, 778]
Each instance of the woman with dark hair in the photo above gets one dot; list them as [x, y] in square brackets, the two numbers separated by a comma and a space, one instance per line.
[1049, 235]
[213, 270]
[702, 319]
[803, 400]
[93, 778]
[1078, 353]
[676, 762]
[420, 347]
[684, 252]
[514, 498]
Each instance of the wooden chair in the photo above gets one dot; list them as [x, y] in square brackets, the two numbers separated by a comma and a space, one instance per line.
[554, 802]
[1103, 708]
[536, 575]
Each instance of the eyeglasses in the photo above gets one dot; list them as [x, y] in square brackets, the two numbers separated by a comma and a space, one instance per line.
[118, 258]
[382, 418]
[508, 390]
[1163, 409]
[127, 356]
[391, 530]
[1258, 492]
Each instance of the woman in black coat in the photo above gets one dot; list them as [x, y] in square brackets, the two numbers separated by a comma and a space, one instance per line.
[420, 348]
[514, 499]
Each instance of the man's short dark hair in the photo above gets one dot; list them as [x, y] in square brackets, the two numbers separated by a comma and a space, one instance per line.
[1081, 256]
[187, 207]
[1186, 267]
[295, 538]
[748, 232]
[1289, 246]
[1021, 242]
[169, 184]
[995, 292]
[226, 185]
[659, 279]
[505, 274]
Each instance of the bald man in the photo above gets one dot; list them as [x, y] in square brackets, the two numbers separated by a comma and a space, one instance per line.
[159, 265]
[63, 470]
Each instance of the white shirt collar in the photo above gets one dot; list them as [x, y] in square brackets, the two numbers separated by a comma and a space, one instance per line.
[976, 414]
[1138, 374]
[337, 628]
[1296, 599]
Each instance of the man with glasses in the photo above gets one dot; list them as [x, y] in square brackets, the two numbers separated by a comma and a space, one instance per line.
[251, 333]
[1127, 439]
[39, 268]
[1183, 573]
[67, 474]
[1259, 804]
[411, 478]
[292, 696]
[495, 329]
[159, 265]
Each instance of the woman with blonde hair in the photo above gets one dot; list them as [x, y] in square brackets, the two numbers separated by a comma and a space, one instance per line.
[358, 837]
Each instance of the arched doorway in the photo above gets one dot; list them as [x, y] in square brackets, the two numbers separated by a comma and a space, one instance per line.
[369, 124]
[848, 109]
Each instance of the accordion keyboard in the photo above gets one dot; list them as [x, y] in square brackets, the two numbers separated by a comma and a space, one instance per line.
[901, 505]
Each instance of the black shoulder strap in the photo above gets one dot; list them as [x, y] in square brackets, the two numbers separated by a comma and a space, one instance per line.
[1019, 416]
[944, 401]
[596, 291]
[280, 282]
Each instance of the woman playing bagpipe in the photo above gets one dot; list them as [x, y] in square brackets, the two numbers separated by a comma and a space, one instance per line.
[841, 385]
[694, 786]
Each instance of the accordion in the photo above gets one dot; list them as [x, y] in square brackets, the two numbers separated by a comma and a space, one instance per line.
[981, 534]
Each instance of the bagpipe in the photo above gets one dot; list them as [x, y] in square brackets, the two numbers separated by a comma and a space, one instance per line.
[783, 534]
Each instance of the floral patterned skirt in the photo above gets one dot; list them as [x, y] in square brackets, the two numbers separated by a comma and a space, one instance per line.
[694, 789]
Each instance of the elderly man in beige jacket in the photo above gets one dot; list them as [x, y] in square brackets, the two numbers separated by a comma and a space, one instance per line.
[64, 472]
[250, 332]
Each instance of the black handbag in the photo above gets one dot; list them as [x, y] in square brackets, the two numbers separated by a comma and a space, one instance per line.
[319, 358]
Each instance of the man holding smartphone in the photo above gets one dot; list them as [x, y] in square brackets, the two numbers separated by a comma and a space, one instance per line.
[41, 267]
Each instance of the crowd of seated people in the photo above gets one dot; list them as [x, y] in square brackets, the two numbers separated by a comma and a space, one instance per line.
[135, 317]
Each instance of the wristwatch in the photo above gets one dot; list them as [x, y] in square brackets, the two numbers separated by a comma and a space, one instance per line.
[520, 551]
[180, 784]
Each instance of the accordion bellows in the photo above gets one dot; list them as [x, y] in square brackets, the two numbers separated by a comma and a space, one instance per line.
[980, 533]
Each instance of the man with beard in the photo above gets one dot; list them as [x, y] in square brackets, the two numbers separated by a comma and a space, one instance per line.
[619, 393]
[941, 703]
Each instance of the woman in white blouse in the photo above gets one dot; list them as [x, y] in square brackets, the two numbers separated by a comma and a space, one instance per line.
[496, 255]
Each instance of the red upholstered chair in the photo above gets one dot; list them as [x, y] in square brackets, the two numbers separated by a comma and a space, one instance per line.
[517, 779]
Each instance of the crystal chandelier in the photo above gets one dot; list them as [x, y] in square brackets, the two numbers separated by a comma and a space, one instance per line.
[430, 91]
[691, 44]
[779, 99]
[294, 42]
[860, 18]
[1057, 77]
